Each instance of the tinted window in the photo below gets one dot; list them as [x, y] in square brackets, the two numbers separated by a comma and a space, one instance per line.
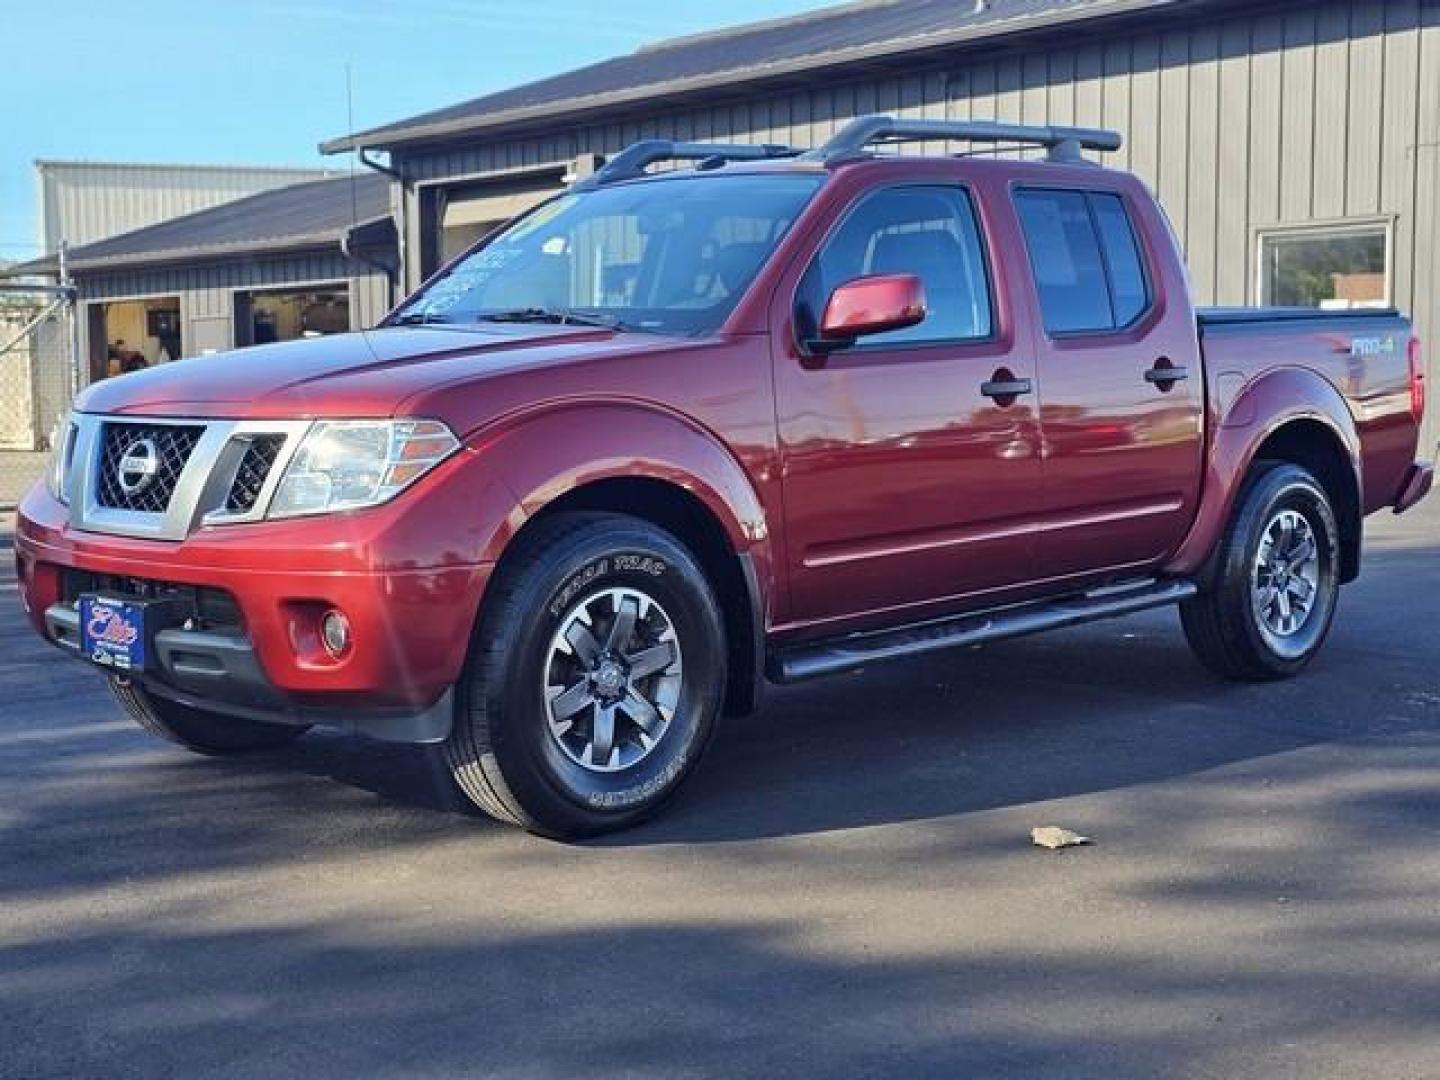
[927, 231]
[1128, 291]
[1065, 257]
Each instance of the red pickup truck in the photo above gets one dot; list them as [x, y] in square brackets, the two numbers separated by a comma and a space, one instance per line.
[674, 434]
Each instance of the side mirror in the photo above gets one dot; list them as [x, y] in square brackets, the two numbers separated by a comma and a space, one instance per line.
[870, 305]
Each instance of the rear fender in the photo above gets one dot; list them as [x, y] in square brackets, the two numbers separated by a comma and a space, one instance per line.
[1268, 403]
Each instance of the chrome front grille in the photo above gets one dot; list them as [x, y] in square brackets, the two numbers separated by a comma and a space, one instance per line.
[162, 479]
[140, 464]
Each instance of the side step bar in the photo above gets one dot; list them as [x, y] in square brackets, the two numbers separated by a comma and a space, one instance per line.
[830, 657]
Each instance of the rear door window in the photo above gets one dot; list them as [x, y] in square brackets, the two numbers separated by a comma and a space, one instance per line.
[1085, 258]
[930, 232]
[1129, 292]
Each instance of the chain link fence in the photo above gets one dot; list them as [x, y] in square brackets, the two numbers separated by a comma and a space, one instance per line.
[38, 350]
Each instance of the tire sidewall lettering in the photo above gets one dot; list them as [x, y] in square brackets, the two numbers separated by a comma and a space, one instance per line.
[592, 572]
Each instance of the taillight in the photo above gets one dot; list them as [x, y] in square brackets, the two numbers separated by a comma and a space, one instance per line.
[1417, 381]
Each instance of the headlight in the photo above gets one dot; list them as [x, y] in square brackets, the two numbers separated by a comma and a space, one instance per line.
[62, 447]
[348, 464]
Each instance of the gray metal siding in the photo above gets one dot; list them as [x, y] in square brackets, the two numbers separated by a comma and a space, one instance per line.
[1323, 111]
[207, 291]
[82, 202]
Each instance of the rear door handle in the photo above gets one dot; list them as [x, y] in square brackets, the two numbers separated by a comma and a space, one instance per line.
[1006, 386]
[1165, 374]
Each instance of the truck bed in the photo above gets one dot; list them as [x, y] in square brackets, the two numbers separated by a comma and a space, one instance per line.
[1362, 352]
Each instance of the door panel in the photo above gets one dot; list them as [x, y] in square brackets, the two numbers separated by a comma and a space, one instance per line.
[903, 482]
[1123, 443]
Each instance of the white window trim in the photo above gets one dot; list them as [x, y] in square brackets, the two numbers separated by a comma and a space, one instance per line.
[1327, 227]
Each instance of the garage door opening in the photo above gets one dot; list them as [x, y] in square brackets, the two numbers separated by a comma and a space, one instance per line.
[271, 315]
[471, 216]
[128, 335]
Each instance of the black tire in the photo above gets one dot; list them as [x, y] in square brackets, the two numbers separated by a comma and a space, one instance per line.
[504, 752]
[196, 729]
[1225, 629]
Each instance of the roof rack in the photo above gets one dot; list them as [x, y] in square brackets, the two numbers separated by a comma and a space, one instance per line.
[1064, 143]
[630, 163]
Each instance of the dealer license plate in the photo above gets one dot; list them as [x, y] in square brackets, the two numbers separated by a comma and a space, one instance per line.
[112, 632]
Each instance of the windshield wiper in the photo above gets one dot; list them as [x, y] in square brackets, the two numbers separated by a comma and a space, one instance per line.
[558, 316]
[419, 318]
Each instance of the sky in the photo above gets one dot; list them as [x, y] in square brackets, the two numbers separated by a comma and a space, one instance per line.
[263, 81]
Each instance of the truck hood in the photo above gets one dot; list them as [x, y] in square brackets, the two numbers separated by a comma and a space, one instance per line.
[367, 374]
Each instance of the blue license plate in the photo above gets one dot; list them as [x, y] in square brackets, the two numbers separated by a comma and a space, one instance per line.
[112, 632]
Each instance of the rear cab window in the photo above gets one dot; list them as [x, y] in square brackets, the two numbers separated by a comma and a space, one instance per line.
[1085, 259]
[930, 231]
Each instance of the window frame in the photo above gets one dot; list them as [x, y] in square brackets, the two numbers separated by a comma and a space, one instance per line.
[1322, 228]
[987, 269]
[1147, 270]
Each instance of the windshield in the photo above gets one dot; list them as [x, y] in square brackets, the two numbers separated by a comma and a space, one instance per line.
[670, 255]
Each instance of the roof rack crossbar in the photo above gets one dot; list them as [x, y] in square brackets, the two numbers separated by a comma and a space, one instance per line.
[1064, 143]
[631, 162]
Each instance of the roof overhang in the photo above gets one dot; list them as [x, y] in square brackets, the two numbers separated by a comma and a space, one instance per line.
[364, 231]
[571, 108]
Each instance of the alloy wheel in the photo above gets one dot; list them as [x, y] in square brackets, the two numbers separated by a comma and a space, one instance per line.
[612, 675]
[1285, 582]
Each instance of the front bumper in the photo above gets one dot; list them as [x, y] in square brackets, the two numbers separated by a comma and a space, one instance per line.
[218, 671]
[411, 610]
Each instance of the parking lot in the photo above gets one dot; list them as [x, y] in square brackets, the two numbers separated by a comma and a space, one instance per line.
[846, 889]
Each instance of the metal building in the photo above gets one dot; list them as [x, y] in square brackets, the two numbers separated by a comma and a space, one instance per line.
[1296, 146]
[306, 259]
[85, 201]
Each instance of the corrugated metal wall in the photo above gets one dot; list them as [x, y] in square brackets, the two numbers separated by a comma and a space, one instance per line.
[207, 290]
[1324, 111]
[87, 201]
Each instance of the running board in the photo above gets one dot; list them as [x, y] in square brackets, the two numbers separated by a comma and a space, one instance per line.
[855, 650]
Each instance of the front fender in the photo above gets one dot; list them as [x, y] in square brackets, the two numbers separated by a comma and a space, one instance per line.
[542, 455]
[1239, 429]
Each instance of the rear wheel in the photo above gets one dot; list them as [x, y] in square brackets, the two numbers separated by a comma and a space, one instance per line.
[1269, 608]
[594, 679]
[199, 730]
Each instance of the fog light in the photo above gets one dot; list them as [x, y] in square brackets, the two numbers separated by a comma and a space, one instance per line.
[335, 632]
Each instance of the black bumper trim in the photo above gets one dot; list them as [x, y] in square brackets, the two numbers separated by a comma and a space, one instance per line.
[219, 672]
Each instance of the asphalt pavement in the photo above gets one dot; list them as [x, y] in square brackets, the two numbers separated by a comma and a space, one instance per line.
[846, 889]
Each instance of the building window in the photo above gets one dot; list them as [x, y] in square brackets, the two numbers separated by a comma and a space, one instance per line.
[1334, 267]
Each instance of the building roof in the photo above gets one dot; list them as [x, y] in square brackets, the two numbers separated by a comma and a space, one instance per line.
[850, 33]
[83, 202]
[87, 164]
[298, 216]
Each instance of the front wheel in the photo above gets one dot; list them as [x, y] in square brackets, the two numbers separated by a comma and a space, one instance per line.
[1270, 605]
[594, 679]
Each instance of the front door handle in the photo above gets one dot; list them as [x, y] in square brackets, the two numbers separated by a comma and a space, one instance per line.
[1004, 387]
[1164, 374]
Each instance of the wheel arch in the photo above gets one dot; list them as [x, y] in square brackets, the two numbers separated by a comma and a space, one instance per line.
[661, 469]
[1292, 415]
[1316, 447]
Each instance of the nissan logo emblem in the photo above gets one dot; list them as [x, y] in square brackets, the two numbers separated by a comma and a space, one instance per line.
[138, 466]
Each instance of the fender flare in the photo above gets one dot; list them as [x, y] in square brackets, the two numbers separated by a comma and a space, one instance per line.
[544, 453]
[1263, 407]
